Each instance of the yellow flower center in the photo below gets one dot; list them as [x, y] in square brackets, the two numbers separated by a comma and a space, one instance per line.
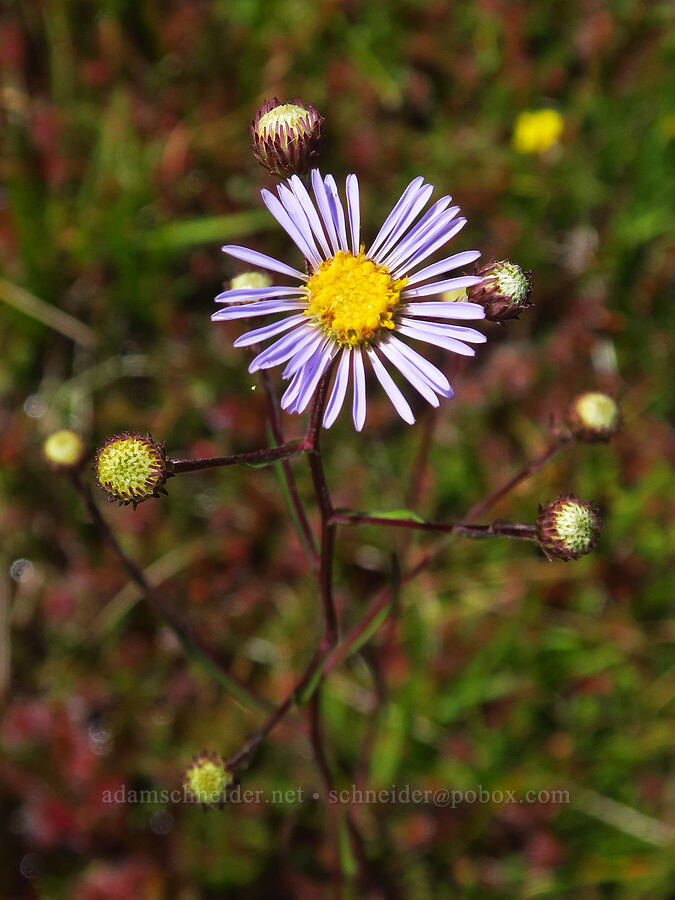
[352, 298]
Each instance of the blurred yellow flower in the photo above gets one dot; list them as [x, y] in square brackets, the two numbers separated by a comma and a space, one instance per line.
[537, 130]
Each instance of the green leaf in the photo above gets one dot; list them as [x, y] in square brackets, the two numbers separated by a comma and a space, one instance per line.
[211, 229]
[387, 514]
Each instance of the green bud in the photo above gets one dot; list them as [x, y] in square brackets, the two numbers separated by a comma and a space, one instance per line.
[567, 528]
[131, 468]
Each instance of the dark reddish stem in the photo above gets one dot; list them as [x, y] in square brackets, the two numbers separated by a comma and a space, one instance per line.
[479, 508]
[495, 529]
[321, 760]
[313, 440]
[254, 457]
[301, 516]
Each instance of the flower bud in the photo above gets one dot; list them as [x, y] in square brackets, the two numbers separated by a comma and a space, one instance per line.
[286, 137]
[64, 449]
[594, 417]
[250, 280]
[504, 292]
[131, 468]
[207, 779]
[567, 528]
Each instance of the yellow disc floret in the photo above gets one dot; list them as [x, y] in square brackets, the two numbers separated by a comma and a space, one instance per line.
[131, 468]
[352, 298]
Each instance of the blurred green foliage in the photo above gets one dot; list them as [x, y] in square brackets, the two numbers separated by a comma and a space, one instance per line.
[124, 165]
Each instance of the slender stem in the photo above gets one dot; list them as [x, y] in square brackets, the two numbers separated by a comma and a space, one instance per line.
[321, 759]
[329, 638]
[494, 529]
[301, 516]
[326, 509]
[254, 457]
[319, 752]
[243, 756]
[159, 603]
[479, 508]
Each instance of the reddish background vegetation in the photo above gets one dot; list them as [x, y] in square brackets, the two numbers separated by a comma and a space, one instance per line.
[124, 165]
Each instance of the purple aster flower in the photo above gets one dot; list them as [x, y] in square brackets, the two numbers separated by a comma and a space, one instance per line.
[357, 306]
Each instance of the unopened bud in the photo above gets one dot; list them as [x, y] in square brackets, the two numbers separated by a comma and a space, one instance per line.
[207, 779]
[286, 137]
[131, 468]
[567, 528]
[250, 280]
[504, 292]
[64, 449]
[594, 417]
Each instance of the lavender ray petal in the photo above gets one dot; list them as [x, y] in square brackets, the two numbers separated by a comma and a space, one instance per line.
[354, 212]
[409, 372]
[430, 245]
[337, 397]
[458, 331]
[290, 395]
[359, 401]
[236, 295]
[307, 392]
[297, 215]
[445, 309]
[388, 224]
[337, 211]
[324, 208]
[434, 228]
[283, 349]
[432, 373]
[263, 261]
[276, 208]
[440, 287]
[428, 221]
[305, 201]
[261, 308]
[432, 336]
[300, 358]
[406, 217]
[391, 388]
[268, 331]
[444, 265]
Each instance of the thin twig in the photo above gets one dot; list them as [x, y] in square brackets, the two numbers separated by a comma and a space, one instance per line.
[253, 457]
[319, 753]
[479, 508]
[494, 529]
[326, 509]
[298, 509]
